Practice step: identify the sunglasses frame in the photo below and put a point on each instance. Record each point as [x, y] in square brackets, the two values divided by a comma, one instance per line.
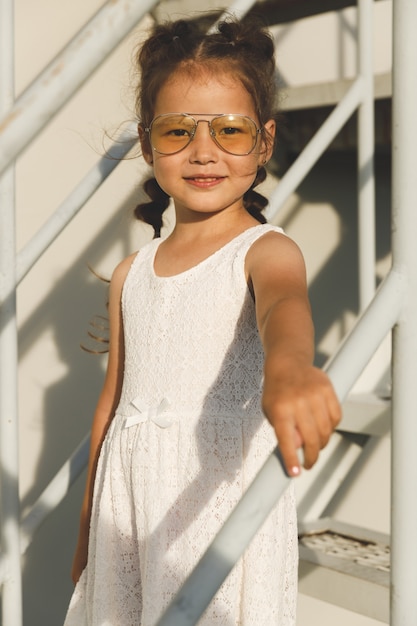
[214, 116]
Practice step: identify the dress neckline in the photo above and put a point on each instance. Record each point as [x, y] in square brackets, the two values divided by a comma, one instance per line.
[214, 254]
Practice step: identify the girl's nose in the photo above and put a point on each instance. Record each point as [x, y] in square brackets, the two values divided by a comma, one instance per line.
[202, 147]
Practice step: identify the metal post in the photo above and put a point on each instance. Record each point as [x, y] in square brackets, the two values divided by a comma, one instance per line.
[366, 143]
[404, 399]
[351, 357]
[10, 506]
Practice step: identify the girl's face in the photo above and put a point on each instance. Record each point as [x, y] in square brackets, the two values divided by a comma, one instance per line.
[202, 178]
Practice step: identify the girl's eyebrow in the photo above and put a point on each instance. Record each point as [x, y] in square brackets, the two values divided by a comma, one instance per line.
[191, 114]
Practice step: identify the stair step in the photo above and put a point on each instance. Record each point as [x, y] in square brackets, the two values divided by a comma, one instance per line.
[347, 566]
[329, 93]
[284, 11]
[367, 414]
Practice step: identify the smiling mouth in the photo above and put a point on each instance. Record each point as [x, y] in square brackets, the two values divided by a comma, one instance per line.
[204, 179]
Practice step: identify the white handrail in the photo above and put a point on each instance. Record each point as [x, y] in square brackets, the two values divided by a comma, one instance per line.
[35, 108]
[69, 208]
[49, 499]
[54, 493]
[236, 533]
[315, 147]
[9, 443]
[238, 8]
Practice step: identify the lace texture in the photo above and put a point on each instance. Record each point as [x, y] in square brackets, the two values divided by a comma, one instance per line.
[187, 439]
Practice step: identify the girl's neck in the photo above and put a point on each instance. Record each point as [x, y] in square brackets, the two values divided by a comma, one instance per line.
[216, 226]
[190, 244]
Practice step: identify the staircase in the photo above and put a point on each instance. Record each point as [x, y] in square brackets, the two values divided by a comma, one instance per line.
[341, 562]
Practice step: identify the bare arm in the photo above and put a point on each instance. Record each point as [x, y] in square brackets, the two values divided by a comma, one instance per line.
[106, 406]
[298, 398]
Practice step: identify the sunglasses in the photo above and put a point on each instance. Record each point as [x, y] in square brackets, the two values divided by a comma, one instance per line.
[172, 132]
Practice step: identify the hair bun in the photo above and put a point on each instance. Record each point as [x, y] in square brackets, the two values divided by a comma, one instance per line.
[248, 36]
[181, 29]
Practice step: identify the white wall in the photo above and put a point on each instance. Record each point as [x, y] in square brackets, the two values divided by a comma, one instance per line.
[322, 48]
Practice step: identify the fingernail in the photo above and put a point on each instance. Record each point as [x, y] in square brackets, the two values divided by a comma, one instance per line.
[294, 471]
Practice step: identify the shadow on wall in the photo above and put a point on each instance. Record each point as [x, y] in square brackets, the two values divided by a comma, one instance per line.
[68, 409]
[70, 402]
[334, 290]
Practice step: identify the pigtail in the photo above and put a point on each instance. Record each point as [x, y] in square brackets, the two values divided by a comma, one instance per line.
[253, 201]
[151, 212]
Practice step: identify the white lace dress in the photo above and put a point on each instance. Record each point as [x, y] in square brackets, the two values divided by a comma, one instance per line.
[187, 439]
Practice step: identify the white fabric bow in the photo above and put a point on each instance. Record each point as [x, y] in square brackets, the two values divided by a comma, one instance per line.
[147, 413]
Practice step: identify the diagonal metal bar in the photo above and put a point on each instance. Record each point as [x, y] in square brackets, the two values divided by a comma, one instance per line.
[239, 8]
[66, 74]
[221, 556]
[39, 243]
[11, 603]
[54, 493]
[316, 147]
[50, 498]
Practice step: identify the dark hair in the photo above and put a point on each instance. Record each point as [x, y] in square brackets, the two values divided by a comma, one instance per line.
[246, 50]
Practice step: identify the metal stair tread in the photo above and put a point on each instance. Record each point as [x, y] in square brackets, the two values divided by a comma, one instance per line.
[329, 93]
[352, 550]
[346, 566]
[367, 414]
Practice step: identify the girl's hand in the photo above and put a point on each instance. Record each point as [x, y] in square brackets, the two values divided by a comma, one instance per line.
[300, 403]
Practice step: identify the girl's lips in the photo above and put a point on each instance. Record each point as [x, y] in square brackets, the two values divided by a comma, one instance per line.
[204, 181]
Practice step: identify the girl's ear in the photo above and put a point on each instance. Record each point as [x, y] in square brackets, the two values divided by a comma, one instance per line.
[145, 145]
[268, 140]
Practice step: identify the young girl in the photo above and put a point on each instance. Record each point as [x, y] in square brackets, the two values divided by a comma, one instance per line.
[211, 349]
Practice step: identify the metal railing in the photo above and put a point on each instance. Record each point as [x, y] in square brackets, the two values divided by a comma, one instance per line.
[394, 305]
[20, 122]
[9, 454]
[360, 97]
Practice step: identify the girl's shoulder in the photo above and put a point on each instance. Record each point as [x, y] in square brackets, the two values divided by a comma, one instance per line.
[247, 238]
[276, 251]
[263, 236]
[273, 241]
[119, 276]
[123, 268]
[121, 271]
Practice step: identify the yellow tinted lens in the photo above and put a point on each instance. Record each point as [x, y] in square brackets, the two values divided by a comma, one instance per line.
[171, 133]
[235, 133]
